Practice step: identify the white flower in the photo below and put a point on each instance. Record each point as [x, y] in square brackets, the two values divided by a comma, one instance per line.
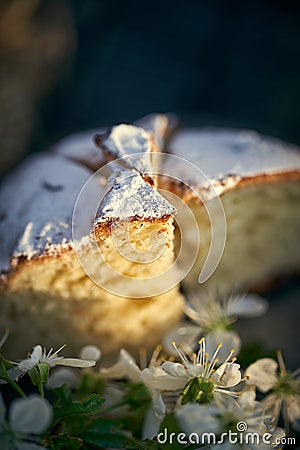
[71, 376]
[196, 377]
[63, 375]
[284, 389]
[40, 355]
[27, 419]
[228, 415]
[90, 352]
[127, 368]
[213, 309]
[213, 317]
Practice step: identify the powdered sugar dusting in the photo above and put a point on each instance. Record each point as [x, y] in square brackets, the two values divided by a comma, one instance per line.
[160, 125]
[127, 140]
[224, 152]
[131, 197]
[80, 147]
[38, 199]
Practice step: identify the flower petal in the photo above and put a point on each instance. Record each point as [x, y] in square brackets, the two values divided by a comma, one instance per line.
[198, 419]
[158, 404]
[37, 353]
[91, 352]
[271, 405]
[15, 373]
[227, 375]
[126, 367]
[293, 408]
[247, 398]
[250, 305]
[62, 375]
[153, 418]
[230, 340]
[156, 378]
[30, 415]
[151, 425]
[113, 395]
[277, 435]
[75, 362]
[262, 373]
[185, 335]
[174, 369]
[27, 364]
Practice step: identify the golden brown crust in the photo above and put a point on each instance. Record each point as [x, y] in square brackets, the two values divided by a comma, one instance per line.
[17, 262]
[105, 229]
[189, 194]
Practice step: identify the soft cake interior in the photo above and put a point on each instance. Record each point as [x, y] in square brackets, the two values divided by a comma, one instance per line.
[263, 235]
[51, 299]
[46, 296]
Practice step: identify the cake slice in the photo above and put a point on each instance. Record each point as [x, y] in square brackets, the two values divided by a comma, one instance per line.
[132, 235]
[46, 295]
[132, 147]
[256, 178]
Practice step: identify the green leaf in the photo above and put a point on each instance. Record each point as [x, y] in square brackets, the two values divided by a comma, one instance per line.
[44, 370]
[107, 440]
[170, 423]
[75, 427]
[89, 406]
[104, 425]
[64, 394]
[107, 433]
[137, 395]
[3, 371]
[5, 363]
[198, 390]
[138, 399]
[147, 445]
[35, 376]
[64, 442]
[90, 383]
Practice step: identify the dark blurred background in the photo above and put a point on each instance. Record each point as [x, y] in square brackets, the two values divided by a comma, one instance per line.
[69, 65]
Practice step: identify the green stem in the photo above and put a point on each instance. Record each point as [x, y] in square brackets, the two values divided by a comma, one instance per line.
[285, 419]
[15, 386]
[41, 390]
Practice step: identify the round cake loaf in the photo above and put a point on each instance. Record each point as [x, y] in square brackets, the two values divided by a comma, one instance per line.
[257, 180]
[88, 249]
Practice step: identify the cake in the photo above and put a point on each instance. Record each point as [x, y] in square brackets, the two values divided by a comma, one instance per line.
[257, 180]
[47, 296]
[88, 250]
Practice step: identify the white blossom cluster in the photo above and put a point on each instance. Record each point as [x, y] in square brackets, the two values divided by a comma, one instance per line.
[198, 381]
